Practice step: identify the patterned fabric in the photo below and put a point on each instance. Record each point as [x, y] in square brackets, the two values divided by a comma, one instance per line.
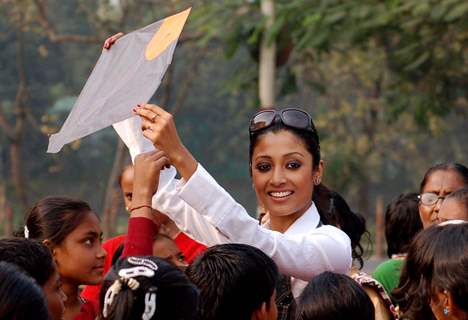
[366, 280]
[284, 299]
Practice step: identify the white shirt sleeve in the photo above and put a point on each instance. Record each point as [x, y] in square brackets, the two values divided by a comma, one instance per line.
[301, 256]
[167, 201]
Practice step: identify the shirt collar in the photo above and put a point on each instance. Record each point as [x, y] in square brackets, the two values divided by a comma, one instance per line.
[308, 221]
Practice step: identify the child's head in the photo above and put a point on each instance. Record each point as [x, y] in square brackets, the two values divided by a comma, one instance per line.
[126, 185]
[236, 281]
[434, 278]
[402, 223]
[36, 260]
[148, 288]
[20, 297]
[455, 206]
[330, 296]
[71, 231]
[166, 248]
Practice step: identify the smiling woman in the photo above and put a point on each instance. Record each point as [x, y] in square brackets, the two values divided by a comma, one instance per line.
[285, 167]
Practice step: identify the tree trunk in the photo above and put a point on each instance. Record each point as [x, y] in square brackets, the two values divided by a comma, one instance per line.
[379, 227]
[267, 62]
[17, 175]
[108, 214]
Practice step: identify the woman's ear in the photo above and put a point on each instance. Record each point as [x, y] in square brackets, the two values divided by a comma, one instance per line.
[49, 245]
[318, 173]
[260, 313]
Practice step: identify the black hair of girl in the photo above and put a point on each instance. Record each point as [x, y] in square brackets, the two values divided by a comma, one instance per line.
[331, 296]
[176, 298]
[337, 212]
[437, 260]
[402, 223]
[20, 296]
[460, 169]
[30, 255]
[53, 218]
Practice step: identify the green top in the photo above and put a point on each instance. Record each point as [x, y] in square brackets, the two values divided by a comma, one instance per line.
[388, 274]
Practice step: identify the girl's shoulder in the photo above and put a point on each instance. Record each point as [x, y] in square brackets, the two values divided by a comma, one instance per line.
[89, 310]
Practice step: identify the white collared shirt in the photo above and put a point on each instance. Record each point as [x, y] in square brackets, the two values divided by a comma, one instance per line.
[204, 210]
[309, 220]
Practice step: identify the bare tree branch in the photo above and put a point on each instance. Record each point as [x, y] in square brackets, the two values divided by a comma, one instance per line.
[185, 86]
[52, 33]
[7, 129]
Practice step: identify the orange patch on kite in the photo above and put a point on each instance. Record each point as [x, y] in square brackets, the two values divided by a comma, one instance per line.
[168, 32]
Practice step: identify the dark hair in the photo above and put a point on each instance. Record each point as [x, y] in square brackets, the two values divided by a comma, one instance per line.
[460, 195]
[460, 169]
[53, 218]
[20, 296]
[437, 260]
[118, 253]
[234, 280]
[402, 223]
[331, 296]
[309, 138]
[336, 211]
[30, 255]
[175, 297]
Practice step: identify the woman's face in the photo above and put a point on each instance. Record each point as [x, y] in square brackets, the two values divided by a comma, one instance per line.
[282, 173]
[442, 183]
[80, 256]
[55, 297]
[452, 209]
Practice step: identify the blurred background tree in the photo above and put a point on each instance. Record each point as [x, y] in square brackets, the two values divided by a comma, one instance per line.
[386, 82]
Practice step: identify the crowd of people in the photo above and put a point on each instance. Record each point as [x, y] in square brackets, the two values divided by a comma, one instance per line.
[193, 252]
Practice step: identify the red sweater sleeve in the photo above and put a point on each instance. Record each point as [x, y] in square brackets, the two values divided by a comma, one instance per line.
[189, 247]
[140, 237]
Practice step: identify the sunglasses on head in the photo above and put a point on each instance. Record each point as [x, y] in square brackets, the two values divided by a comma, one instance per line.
[291, 117]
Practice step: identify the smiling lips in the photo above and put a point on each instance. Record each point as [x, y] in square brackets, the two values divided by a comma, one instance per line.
[280, 194]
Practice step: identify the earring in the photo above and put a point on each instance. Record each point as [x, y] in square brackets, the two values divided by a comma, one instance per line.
[446, 311]
[317, 180]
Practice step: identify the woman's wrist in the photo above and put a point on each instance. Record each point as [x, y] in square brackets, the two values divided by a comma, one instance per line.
[185, 163]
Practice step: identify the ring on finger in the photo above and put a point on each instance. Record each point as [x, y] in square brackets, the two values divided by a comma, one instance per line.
[154, 117]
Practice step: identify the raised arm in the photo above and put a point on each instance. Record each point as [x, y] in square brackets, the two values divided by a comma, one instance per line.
[301, 256]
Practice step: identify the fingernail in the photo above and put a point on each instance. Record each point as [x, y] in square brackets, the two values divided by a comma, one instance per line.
[134, 110]
[139, 105]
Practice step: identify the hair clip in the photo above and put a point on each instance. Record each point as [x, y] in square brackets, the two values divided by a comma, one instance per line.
[136, 272]
[132, 283]
[26, 232]
[143, 262]
[113, 290]
[150, 306]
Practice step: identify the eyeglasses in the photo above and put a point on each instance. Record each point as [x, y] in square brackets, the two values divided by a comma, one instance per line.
[429, 198]
[291, 117]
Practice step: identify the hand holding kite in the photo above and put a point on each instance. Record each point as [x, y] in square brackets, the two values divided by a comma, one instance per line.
[127, 75]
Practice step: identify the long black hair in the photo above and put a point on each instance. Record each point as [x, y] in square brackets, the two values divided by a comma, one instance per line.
[437, 260]
[53, 218]
[20, 296]
[174, 296]
[331, 296]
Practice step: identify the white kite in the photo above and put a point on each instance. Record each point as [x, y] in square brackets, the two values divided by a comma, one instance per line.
[127, 75]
